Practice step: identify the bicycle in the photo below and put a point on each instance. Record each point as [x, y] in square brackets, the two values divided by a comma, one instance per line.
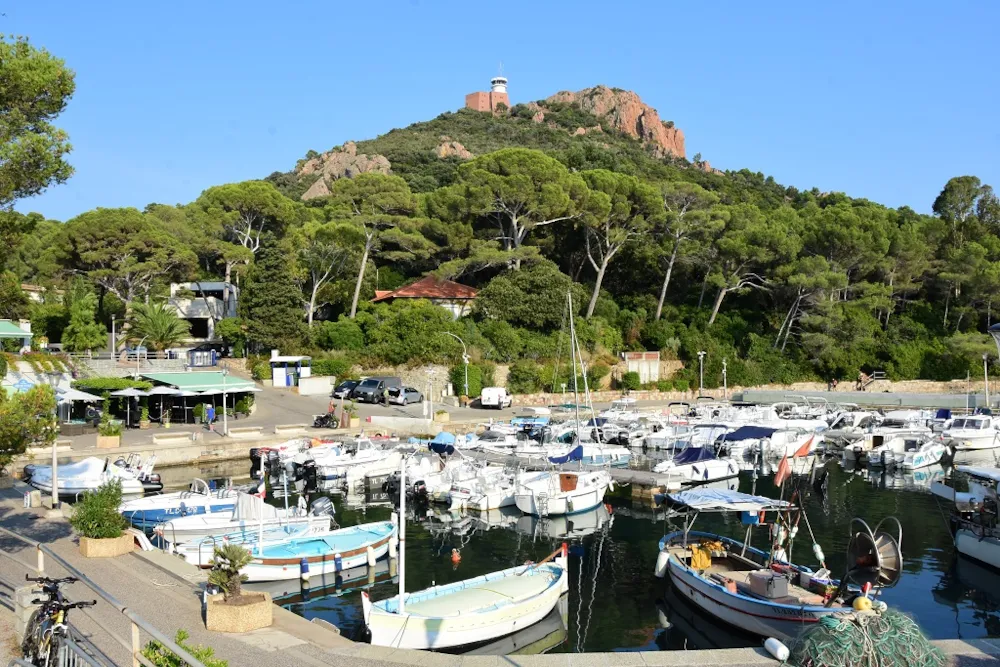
[49, 623]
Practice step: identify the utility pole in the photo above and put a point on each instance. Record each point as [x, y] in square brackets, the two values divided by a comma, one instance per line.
[701, 372]
[725, 384]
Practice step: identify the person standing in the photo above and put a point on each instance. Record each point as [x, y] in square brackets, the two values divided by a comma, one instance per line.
[210, 415]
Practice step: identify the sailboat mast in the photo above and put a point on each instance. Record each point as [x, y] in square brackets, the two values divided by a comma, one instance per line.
[572, 346]
[402, 531]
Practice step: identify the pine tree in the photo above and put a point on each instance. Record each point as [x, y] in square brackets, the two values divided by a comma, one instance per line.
[271, 302]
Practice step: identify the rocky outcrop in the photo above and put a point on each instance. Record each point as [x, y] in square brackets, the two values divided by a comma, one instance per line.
[341, 162]
[628, 114]
[449, 148]
[580, 131]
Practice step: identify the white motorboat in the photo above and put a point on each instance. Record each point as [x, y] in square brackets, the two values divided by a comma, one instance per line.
[696, 465]
[437, 486]
[498, 442]
[665, 436]
[471, 611]
[551, 492]
[491, 488]
[247, 517]
[80, 477]
[146, 512]
[333, 460]
[915, 454]
[974, 515]
[587, 453]
[972, 433]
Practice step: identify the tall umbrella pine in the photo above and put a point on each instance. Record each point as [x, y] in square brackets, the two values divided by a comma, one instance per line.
[271, 301]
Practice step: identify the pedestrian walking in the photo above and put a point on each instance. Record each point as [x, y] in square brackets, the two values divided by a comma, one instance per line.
[210, 415]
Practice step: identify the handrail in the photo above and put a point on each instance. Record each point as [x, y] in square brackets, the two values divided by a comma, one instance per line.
[137, 621]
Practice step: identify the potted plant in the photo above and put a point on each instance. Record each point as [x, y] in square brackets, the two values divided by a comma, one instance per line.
[144, 418]
[442, 416]
[165, 419]
[234, 610]
[109, 432]
[199, 413]
[100, 524]
[351, 419]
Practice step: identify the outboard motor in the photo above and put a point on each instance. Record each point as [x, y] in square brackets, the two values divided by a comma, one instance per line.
[273, 464]
[151, 483]
[310, 475]
[322, 506]
[255, 466]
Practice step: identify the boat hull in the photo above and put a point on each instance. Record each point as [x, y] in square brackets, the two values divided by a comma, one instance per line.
[986, 550]
[413, 631]
[290, 567]
[972, 443]
[565, 503]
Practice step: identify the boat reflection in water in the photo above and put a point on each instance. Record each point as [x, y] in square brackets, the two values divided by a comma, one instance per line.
[319, 586]
[565, 526]
[686, 627]
[972, 590]
[919, 480]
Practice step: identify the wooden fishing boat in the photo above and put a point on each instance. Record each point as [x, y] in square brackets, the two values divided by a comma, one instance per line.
[475, 610]
[755, 590]
[326, 553]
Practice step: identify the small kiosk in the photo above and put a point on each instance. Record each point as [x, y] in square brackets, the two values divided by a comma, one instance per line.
[286, 370]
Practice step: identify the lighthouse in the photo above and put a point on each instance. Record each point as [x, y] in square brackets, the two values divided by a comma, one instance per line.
[489, 101]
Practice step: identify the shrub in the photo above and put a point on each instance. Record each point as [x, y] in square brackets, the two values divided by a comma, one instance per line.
[488, 371]
[199, 411]
[344, 334]
[630, 381]
[522, 378]
[227, 562]
[97, 515]
[160, 656]
[457, 377]
[596, 373]
[504, 338]
[681, 384]
[144, 414]
[260, 370]
[108, 427]
[338, 367]
[244, 404]
[101, 385]
[664, 385]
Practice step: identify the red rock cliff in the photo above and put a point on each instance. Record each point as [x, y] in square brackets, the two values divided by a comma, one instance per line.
[628, 114]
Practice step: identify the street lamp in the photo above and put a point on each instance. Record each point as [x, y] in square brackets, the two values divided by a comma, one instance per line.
[114, 337]
[465, 360]
[701, 372]
[225, 413]
[725, 384]
[137, 356]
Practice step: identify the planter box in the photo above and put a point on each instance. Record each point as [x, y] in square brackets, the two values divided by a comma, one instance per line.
[351, 422]
[442, 418]
[107, 548]
[144, 425]
[222, 617]
[109, 441]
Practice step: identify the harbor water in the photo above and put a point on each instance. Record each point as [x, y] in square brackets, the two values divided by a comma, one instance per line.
[616, 604]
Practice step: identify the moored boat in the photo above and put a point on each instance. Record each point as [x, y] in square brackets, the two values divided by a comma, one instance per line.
[553, 492]
[87, 475]
[200, 499]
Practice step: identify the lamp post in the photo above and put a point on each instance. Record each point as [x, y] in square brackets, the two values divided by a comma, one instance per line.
[995, 332]
[137, 356]
[701, 372]
[114, 338]
[725, 384]
[225, 414]
[465, 360]
[986, 377]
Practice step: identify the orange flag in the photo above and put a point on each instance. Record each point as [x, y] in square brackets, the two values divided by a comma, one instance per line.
[804, 449]
[784, 472]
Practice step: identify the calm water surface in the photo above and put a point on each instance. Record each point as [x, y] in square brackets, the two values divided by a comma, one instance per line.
[616, 604]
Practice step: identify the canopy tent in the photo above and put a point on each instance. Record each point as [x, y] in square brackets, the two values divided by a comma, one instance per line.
[162, 391]
[747, 433]
[443, 443]
[721, 500]
[10, 330]
[72, 395]
[131, 392]
[202, 380]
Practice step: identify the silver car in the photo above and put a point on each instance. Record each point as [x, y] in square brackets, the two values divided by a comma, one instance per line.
[405, 396]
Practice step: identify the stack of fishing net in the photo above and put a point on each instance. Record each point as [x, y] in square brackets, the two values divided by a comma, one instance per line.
[865, 639]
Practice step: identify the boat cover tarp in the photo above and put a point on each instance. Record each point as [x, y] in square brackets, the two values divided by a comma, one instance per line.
[596, 421]
[529, 421]
[747, 433]
[575, 454]
[443, 443]
[943, 413]
[723, 499]
[253, 508]
[693, 455]
[984, 473]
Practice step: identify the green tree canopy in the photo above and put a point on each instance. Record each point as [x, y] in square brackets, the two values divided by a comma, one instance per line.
[270, 302]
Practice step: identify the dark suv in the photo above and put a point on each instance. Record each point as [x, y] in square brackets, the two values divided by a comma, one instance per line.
[370, 389]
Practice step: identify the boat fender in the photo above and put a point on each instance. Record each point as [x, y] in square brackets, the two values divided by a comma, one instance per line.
[661, 564]
[338, 562]
[370, 553]
[304, 569]
[393, 546]
[818, 552]
[456, 556]
[776, 648]
[792, 532]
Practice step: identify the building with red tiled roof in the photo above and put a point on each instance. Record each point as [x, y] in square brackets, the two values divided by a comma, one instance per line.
[446, 293]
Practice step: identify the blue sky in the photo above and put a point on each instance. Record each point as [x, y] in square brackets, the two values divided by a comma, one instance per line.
[883, 100]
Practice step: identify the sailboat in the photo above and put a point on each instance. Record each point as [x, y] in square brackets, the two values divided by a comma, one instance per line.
[475, 610]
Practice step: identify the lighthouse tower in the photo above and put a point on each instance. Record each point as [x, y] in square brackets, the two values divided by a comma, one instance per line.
[489, 101]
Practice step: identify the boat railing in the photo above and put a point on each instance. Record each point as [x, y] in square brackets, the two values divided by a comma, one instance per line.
[78, 648]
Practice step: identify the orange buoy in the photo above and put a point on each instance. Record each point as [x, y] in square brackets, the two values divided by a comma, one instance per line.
[456, 556]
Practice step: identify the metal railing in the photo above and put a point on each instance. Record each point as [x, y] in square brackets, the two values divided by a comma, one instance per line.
[137, 623]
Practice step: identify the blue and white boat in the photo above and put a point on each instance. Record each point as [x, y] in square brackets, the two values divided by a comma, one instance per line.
[201, 551]
[697, 465]
[145, 513]
[755, 590]
[326, 553]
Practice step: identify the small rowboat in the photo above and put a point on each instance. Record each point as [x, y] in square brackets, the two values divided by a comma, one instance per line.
[475, 610]
[326, 553]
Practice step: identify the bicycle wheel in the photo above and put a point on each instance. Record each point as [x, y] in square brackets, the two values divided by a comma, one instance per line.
[33, 633]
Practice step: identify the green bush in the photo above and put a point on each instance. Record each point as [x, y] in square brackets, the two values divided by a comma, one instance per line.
[260, 370]
[523, 378]
[488, 370]
[681, 384]
[160, 656]
[108, 427]
[96, 515]
[101, 385]
[344, 334]
[505, 339]
[199, 411]
[227, 561]
[630, 381]
[597, 372]
[337, 367]
[457, 378]
[243, 405]
[664, 385]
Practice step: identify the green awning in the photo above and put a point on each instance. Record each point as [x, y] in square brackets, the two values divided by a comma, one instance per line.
[201, 381]
[10, 330]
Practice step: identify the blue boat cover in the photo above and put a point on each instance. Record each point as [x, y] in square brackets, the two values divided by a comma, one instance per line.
[443, 443]
[943, 413]
[723, 499]
[575, 454]
[597, 421]
[529, 421]
[747, 433]
[693, 455]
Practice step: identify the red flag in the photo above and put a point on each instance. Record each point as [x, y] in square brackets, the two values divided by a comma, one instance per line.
[804, 449]
[784, 472]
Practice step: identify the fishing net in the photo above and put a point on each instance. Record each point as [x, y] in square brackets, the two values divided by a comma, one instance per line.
[865, 639]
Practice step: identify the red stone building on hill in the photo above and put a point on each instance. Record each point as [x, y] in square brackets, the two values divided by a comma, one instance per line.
[445, 293]
[489, 101]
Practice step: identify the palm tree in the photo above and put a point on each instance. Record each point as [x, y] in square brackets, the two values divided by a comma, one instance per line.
[159, 325]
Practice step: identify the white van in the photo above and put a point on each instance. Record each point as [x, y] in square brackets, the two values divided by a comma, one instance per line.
[495, 397]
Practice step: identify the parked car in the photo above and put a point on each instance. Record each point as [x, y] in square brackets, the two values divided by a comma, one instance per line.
[344, 389]
[495, 397]
[369, 390]
[405, 396]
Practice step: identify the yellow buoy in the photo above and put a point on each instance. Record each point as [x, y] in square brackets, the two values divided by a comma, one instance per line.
[862, 603]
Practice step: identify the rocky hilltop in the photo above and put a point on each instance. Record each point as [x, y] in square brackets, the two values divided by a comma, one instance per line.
[628, 114]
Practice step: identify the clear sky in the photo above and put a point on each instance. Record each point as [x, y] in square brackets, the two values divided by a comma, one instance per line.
[884, 100]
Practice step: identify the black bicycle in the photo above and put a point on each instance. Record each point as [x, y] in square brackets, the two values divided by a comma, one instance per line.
[48, 626]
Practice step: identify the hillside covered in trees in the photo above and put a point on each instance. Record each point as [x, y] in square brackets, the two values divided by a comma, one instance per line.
[660, 253]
